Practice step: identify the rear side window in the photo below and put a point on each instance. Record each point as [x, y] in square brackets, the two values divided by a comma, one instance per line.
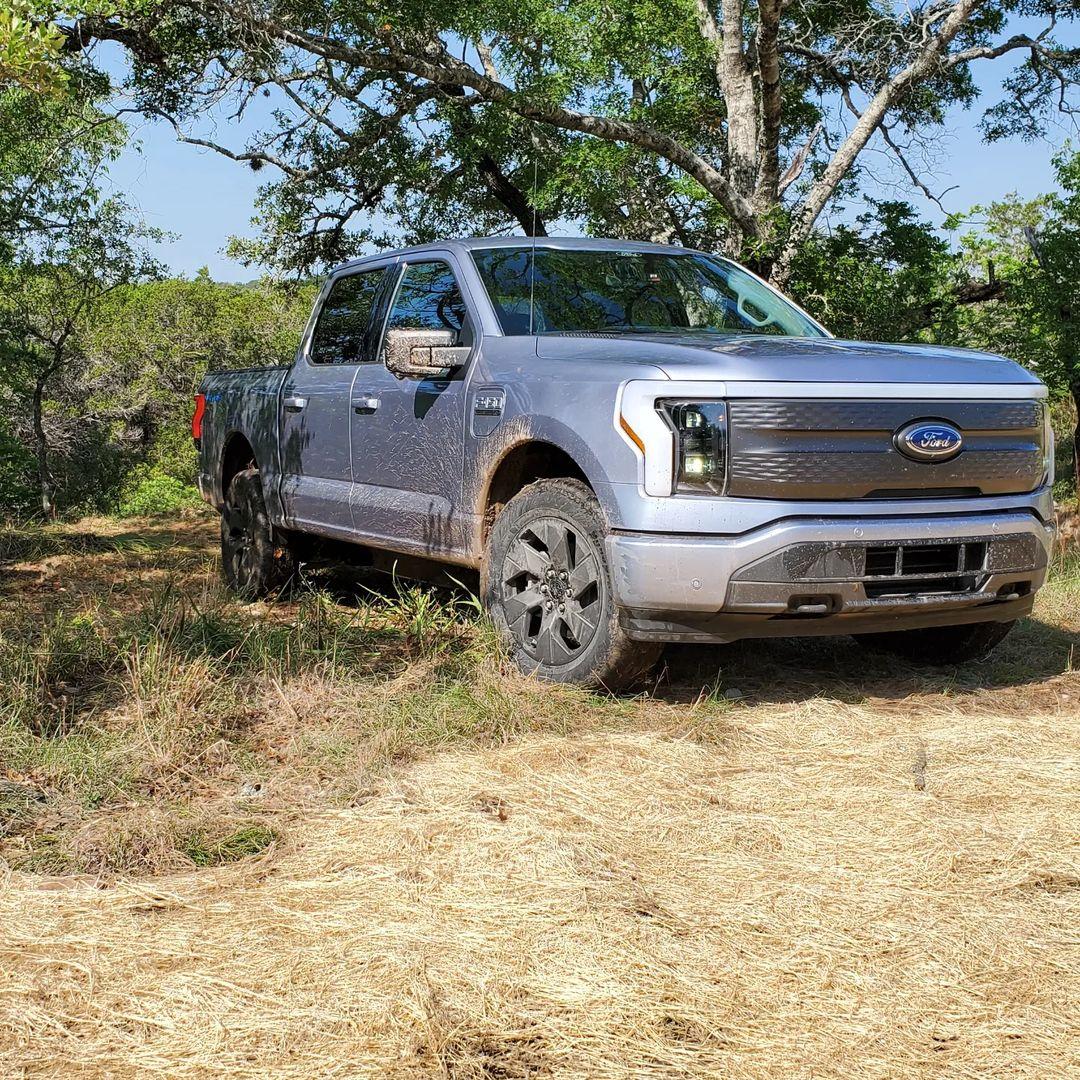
[428, 298]
[341, 332]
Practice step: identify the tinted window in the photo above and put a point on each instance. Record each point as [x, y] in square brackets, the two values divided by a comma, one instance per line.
[343, 322]
[631, 291]
[428, 298]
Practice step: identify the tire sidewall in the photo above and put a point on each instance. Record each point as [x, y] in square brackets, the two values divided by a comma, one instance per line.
[271, 566]
[604, 661]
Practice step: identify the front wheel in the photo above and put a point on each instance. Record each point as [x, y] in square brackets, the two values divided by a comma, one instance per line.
[547, 586]
[940, 645]
[253, 564]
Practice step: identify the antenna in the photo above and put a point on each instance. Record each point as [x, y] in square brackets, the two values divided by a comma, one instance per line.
[532, 257]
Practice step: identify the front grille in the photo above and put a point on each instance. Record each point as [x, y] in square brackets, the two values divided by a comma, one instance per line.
[844, 449]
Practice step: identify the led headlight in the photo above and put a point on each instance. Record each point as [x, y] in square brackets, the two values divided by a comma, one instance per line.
[1048, 444]
[700, 429]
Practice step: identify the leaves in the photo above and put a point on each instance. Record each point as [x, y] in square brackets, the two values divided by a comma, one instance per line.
[30, 47]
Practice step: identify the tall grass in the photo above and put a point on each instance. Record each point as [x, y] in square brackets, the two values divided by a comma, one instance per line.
[129, 726]
[187, 728]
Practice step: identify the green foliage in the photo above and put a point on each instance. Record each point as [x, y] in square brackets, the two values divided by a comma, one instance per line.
[874, 279]
[1035, 247]
[30, 48]
[150, 491]
[64, 246]
[648, 119]
[119, 413]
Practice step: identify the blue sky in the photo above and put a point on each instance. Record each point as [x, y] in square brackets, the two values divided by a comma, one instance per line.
[206, 198]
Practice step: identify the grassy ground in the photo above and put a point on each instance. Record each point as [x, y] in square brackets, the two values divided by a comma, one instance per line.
[335, 836]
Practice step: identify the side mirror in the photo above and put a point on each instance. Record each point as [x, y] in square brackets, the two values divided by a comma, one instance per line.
[423, 354]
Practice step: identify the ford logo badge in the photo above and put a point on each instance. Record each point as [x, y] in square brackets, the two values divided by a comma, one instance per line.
[929, 440]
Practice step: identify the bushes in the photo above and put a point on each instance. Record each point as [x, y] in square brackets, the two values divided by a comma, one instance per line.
[151, 491]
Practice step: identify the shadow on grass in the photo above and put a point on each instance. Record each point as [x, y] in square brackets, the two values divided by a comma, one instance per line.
[32, 542]
[779, 669]
[796, 669]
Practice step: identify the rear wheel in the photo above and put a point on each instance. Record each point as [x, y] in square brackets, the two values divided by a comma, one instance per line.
[940, 645]
[253, 563]
[547, 586]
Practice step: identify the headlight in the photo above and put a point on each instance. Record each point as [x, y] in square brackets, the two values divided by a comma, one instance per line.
[700, 429]
[1048, 444]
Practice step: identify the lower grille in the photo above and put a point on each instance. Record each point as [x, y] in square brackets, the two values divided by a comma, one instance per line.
[845, 449]
[826, 578]
[899, 560]
[935, 586]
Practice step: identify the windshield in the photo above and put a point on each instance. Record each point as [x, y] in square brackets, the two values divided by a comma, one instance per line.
[620, 292]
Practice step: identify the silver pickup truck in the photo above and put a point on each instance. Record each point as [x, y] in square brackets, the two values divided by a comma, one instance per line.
[636, 444]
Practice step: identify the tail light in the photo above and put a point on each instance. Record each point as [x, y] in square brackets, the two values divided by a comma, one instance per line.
[197, 417]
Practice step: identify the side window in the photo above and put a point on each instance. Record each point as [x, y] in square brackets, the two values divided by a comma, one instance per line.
[428, 298]
[342, 328]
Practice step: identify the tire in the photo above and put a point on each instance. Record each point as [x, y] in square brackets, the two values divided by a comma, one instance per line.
[547, 587]
[940, 645]
[253, 564]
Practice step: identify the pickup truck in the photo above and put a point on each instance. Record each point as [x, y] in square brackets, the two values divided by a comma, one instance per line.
[636, 444]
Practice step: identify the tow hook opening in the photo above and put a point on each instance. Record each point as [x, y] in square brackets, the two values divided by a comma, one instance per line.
[816, 604]
[1014, 590]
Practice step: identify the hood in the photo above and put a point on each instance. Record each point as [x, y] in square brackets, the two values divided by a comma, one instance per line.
[759, 358]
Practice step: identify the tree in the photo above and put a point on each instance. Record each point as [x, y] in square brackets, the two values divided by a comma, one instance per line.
[1034, 247]
[727, 123]
[149, 346]
[46, 303]
[63, 247]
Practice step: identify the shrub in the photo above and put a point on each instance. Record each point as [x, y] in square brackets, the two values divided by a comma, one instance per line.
[151, 491]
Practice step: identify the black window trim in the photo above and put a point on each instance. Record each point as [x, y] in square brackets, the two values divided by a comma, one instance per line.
[383, 268]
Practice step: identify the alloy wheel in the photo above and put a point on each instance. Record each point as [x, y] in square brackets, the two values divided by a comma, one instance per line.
[552, 586]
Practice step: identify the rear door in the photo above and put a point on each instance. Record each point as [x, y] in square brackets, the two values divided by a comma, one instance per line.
[409, 434]
[316, 460]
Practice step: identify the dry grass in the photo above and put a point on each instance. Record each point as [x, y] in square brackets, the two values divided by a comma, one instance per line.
[376, 856]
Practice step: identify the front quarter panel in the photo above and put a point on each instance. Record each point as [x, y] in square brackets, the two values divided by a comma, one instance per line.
[567, 402]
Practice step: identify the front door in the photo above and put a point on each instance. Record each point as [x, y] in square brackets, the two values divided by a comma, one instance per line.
[408, 434]
[316, 460]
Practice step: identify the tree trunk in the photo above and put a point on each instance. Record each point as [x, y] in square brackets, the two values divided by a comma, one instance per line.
[1075, 388]
[41, 446]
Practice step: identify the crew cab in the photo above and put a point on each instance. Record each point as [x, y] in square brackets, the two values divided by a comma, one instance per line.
[636, 444]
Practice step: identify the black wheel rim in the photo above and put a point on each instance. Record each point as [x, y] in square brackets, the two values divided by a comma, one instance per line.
[552, 591]
[239, 535]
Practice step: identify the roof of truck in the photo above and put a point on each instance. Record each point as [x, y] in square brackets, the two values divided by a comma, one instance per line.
[474, 243]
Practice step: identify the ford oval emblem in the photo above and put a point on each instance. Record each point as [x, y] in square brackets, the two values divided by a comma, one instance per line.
[929, 440]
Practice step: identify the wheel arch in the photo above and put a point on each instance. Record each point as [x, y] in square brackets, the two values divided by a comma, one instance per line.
[237, 454]
[523, 463]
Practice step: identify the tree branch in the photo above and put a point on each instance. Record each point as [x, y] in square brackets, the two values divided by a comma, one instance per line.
[438, 67]
[925, 62]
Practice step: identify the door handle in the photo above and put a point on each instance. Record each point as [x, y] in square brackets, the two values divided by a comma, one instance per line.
[294, 404]
[365, 404]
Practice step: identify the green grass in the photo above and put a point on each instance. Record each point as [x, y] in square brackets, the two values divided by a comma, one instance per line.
[134, 725]
[205, 850]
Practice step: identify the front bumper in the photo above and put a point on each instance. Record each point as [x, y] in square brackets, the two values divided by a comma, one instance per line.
[830, 576]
